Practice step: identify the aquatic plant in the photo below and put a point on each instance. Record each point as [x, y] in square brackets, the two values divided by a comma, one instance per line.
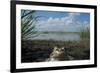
[28, 24]
[84, 33]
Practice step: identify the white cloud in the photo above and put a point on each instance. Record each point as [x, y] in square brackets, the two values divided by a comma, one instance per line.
[66, 23]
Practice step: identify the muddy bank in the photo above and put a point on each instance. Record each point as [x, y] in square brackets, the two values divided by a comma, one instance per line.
[39, 50]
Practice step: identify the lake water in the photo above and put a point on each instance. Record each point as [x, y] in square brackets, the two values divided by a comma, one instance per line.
[58, 37]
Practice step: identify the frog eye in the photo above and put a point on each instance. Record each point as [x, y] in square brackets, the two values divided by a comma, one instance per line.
[55, 48]
[62, 49]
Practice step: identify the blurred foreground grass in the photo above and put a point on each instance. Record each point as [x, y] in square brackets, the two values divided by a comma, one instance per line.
[39, 50]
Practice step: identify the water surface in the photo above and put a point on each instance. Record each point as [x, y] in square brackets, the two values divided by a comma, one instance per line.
[58, 36]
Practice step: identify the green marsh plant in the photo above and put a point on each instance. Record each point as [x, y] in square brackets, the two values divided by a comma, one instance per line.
[28, 24]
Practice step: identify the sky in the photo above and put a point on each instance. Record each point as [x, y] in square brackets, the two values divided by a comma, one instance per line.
[62, 21]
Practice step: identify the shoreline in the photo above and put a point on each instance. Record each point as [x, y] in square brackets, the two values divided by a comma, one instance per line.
[39, 50]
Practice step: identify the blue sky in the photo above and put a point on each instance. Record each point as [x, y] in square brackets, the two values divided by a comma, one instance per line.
[62, 21]
[55, 14]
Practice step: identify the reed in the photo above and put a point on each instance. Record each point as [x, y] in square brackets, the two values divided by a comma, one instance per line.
[28, 24]
[84, 33]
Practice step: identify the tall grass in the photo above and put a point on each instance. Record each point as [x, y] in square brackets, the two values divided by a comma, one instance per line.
[85, 33]
[28, 24]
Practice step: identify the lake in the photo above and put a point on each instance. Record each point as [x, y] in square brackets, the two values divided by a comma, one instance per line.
[58, 36]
